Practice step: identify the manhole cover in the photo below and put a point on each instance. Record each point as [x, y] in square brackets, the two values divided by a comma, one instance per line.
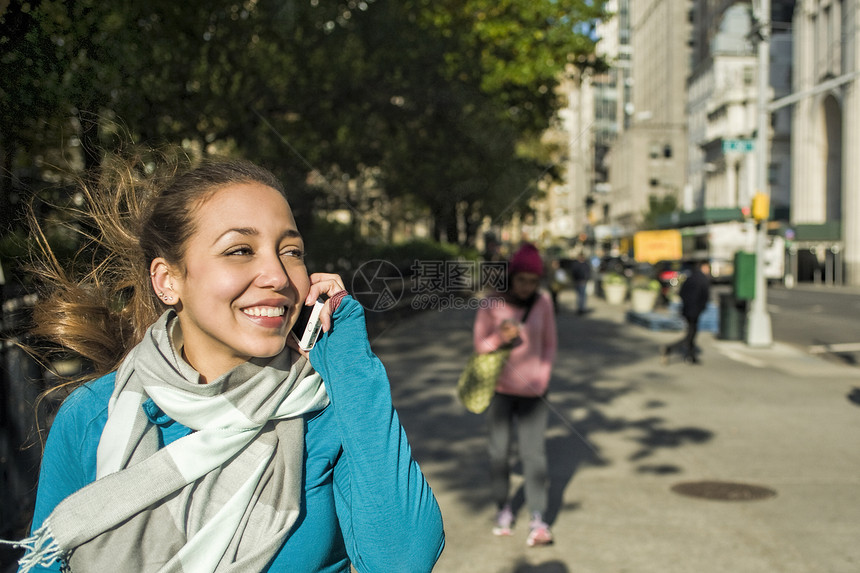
[723, 490]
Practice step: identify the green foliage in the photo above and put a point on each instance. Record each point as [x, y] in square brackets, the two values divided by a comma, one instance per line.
[334, 247]
[444, 102]
[404, 255]
[658, 206]
[644, 283]
[613, 278]
[525, 44]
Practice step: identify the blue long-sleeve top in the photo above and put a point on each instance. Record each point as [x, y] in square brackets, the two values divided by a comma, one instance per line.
[365, 500]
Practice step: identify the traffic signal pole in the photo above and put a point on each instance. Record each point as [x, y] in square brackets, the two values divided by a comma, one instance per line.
[759, 329]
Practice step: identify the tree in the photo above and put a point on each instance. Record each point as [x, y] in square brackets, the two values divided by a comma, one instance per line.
[658, 206]
[441, 101]
[476, 90]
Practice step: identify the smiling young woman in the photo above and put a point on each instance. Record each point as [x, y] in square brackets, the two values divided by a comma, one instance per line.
[242, 280]
[205, 440]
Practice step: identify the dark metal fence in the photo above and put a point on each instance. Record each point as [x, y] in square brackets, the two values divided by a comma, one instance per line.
[21, 381]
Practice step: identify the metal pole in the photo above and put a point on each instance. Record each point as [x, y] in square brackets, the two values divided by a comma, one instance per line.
[759, 330]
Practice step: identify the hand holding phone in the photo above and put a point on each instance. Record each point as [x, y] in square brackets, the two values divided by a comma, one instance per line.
[308, 326]
[328, 284]
[510, 330]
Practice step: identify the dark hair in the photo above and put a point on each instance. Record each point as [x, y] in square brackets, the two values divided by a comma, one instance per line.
[138, 207]
[170, 222]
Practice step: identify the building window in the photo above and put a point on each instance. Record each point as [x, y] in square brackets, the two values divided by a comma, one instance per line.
[773, 173]
[654, 182]
[667, 151]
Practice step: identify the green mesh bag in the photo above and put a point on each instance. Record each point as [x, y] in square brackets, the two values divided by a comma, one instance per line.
[478, 381]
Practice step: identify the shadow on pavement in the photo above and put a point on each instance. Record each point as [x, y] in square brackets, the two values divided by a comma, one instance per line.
[548, 567]
[425, 354]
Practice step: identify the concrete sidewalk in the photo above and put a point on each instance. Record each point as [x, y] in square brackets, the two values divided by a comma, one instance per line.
[624, 431]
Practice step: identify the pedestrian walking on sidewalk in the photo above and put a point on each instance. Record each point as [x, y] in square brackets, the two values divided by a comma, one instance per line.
[558, 280]
[580, 271]
[206, 439]
[695, 294]
[524, 319]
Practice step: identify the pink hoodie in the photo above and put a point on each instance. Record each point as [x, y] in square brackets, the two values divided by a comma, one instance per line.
[530, 365]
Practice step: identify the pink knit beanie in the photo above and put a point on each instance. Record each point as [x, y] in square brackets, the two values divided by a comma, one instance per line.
[526, 260]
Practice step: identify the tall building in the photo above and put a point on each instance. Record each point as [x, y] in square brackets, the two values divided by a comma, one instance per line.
[649, 156]
[560, 211]
[683, 98]
[612, 96]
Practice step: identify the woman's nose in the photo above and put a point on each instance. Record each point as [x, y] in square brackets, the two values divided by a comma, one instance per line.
[273, 274]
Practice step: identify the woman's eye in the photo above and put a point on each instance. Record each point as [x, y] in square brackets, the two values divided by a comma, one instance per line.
[240, 251]
[293, 253]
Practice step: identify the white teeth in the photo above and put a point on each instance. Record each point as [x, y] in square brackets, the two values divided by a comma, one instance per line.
[264, 311]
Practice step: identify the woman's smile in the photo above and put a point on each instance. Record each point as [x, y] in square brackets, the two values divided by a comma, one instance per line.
[269, 311]
[270, 317]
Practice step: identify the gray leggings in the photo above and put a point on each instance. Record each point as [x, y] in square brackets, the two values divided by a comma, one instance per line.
[531, 416]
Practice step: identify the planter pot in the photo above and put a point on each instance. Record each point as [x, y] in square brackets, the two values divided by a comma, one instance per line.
[642, 300]
[615, 293]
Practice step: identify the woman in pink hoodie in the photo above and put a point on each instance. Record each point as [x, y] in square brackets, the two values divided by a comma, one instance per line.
[523, 318]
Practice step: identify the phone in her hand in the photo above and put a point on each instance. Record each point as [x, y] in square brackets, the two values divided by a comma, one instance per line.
[308, 327]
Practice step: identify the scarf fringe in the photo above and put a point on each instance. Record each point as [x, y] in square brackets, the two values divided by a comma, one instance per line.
[40, 549]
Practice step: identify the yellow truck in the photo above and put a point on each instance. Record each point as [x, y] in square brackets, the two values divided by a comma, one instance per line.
[716, 243]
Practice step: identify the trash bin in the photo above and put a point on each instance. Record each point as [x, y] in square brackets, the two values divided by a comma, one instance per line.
[733, 317]
[744, 276]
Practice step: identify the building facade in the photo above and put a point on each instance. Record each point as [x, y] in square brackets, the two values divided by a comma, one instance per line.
[649, 156]
[676, 115]
[825, 214]
[722, 167]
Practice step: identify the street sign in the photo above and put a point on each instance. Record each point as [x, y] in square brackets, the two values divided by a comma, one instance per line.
[738, 145]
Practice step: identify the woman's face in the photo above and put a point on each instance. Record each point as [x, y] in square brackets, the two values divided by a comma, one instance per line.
[524, 285]
[244, 279]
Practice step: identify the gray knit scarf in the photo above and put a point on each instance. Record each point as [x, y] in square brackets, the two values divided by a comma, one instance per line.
[223, 498]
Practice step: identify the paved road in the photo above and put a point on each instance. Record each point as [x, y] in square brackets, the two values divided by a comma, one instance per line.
[820, 319]
[625, 430]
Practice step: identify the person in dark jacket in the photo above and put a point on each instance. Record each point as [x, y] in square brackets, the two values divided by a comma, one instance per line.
[695, 294]
[580, 271]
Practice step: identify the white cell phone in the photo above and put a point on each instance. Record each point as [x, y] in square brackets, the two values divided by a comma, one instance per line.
[308, 326]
